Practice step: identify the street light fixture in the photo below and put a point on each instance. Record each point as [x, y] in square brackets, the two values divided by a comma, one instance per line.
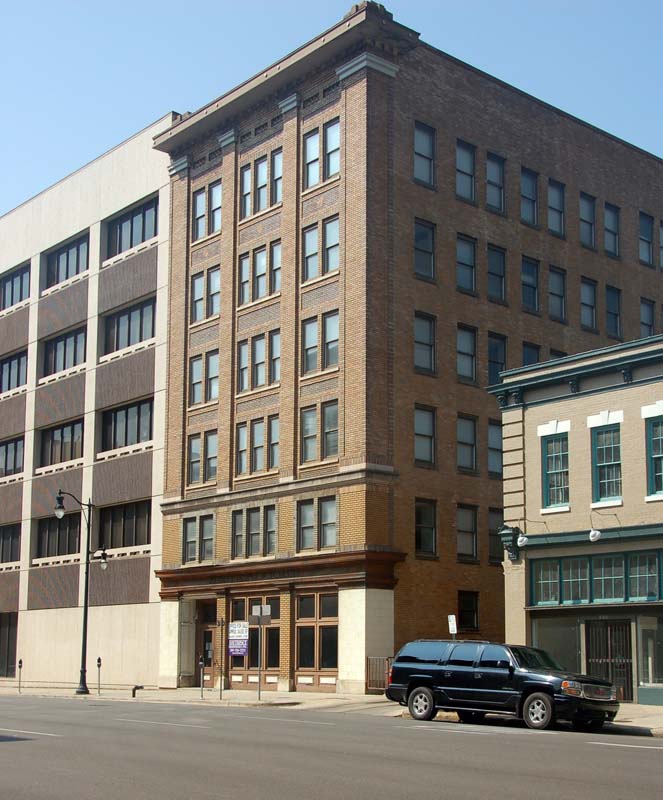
[86, 508]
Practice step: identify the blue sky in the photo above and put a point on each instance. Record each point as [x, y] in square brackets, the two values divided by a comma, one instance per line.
[76, 78]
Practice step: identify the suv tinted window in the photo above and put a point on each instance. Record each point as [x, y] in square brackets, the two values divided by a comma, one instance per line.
[463, 655]
[423, 652]
[494, 656]
[533, 658]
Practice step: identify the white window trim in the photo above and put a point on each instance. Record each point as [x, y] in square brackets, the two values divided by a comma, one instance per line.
[654, 410]
[605, 418]
[553, 427]
[654, 498]
[607, 503]
[555, 510]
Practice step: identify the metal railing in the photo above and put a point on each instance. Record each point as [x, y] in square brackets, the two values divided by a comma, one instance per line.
[377, 673]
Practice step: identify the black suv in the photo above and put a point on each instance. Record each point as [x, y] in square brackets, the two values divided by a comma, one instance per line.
[475, 678]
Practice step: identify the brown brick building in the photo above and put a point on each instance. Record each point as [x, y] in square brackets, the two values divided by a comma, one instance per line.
[363, 236]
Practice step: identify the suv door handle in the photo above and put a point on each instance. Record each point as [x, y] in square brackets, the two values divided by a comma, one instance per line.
[478, 675]
[447, 674]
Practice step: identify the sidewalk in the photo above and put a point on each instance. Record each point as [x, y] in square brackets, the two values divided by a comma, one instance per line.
[632, 719]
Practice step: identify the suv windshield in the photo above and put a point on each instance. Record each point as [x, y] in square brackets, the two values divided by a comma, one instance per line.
[533, 658]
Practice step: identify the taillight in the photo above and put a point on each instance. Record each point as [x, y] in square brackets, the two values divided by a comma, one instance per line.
[391, 672]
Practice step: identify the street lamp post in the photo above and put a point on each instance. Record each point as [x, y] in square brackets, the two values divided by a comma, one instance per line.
[86, 508]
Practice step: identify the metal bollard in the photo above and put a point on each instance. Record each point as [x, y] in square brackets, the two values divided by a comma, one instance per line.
[20, 669]
[133, 691]
[99, 675]
[201, 664]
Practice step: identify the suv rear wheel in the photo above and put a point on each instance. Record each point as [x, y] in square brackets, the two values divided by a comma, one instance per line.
[538, 711]
[421, 703]
[471, 716]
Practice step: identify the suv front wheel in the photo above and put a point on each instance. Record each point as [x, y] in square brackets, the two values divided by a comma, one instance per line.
[538, 711]
[421, 703]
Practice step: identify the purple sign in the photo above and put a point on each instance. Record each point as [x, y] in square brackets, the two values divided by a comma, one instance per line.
[238, 647]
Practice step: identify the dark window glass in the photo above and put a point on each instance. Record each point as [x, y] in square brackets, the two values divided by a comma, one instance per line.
[128, 525]
[130, 326]
[466, 353]
[496, 273]
[528, 196]
[531, 354]
[305, 647]
[67, 261]
[468, 611]
[329, 605]
[494, 657]
[62, 443]
[425, 534]
[646, 318]
[133, 228]
[64, 352]
[424, 652]
[494, 448]
[646, 239]
[613, 322]
[10, 542]
[11, 457]
[273, 645]
[530, 284]
[556, 207]
[466, 443]
[424, 342]
[495, 522]
[588, 303]
[557, 294]
[127, 425]
[58, 537]
[463, 655]
[587, 219]
[13, 371]
[496, 357]
[466, 532]
[465, 264]
[8, 635]
[424, 250]
[611, 229]
[465, 170]
[495, 182]
[424, 153]
[306, 606]
[328, 647]
[14, 287]
[424, 435]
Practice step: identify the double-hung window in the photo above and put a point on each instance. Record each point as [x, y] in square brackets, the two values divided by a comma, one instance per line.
[530, 284]
[260, 287]
[556, 207]
[587, 220]
[424, 249]
[588, 303]
[425, 527]
[310, 245]
[496, 357]
[646, 239]
[331, 256]
[424, 153]
[555, 460]
[529, 206]
[260, 191]
[199, 213]
[466, 532]
[332, 145]
[424, 435]
[613, 301]
[311, 159]
[466, 443]
[465, 172]
[424, 342]
[611, 229]
[495, 447]
[330, 340]
[606, 463]
[646, 317]
[277, 176]
[495, 182]
[655, 455]
[466, 264]
[496, 273]
[466, 349]
[531, 353]
[557, 294]
[215, 201]
[245, 191]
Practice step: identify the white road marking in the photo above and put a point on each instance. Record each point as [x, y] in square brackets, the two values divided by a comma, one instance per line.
[150, 722]
[284, 719]
[32, 733]
[447, 730]
[637, 746]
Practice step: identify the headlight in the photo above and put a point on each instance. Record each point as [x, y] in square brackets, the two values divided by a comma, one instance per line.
[572, 687]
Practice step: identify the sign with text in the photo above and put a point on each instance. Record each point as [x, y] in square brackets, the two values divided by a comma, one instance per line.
[238, 647]
[238, 638]
[452, 624]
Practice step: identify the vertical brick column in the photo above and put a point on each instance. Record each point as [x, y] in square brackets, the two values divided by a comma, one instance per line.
[287, 642]
[220, 650]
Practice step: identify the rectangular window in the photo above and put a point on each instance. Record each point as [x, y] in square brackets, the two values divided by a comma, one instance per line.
[127, 525]
[14, 287]
[575, 580]
[67, 261]
[277, 176]
[195, 380]
[128, 425]
[646, 317]
[608, 579]
[310, 241]
[495, 522]
[215, 206]
[613, 300]
[494, 448]
[274, 356]
[133, 228]
[330, 340]
[330, 429]
[212, 376]
[327, 512]
[332, 144]
[238, 541]
[468, 610]
[466, 353]
[64, 352]
[197, 299]
[557, 294]
[531, 354]
[587, 219]
[189, 540]
[199, 213]
[10, 541]
[131, 325]
[530, 284]
[309, 434]
[242, 462]
[466, 443]
[213, 291]
[258, 361]
[309, 346]
[655, 456]
[496, 273]
[495, 182]
[58, 537]
[244, 280]
[305, 525]
[242, 366]
[206, 538]
[260, 191]
[424, 435]
[555, 483]
[496, 357]
[611, 229]
[331, 247]
[424, 249]
[424, 153]
[646, 240]
[588, 303]
[311, 159]
[556, 207]
[211, 455]
[465, 264]
[606, 463]
[11, 457]
[529, 206]
[13, 371]
[424, 342]
[270, 537]
[545, 581]
[259, 273]
[245, 191]
[425, 527]
[257, 445]
[62, 443]
[465, 171]
[466, 532]
[275, 267]
[273, 442]
[643, 576]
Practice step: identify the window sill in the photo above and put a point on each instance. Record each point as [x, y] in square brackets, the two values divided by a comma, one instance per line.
[57, 287]
[109, 262]
[314, 464]
[58, 376]
[9, 566]
[320, 187]
[425, 278]
[467, 381]
[496, 476]
[615, 337]
[194, 487]
[498, 301]
[472, 473]
[559, 320]
[251, 393]
[424, 184]
[494, 562]
[203, 323]
[425, 464]
[589, 330]
[590, 247]
[648, 264]
[468, 201]
[613, 256]
[654, 498]
[555, 510]
[199, 243]
[265, 212]
[13, 478]
[131, 550]
[127, 351]
[141, 447]
[61, 467]
[467, 560]
[426, 556]
[533, 311]
[533, 225]
[557, 235]
[260, 302]
[425, 371]
[13, 392]
[16, 307]
[314, 377]
[266, 473]
[469, 292]
[53, 561]
[313, 283]
[615, 503]
[500, 212]
[202, 406]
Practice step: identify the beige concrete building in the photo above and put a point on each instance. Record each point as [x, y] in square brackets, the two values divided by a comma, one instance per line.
[83, 332]
[583, 502]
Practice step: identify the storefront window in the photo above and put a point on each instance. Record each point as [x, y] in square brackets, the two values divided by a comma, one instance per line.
[575, 580]
[559, 636]
[643, 576]
[608, 578]
[546, 582]
[650, 652]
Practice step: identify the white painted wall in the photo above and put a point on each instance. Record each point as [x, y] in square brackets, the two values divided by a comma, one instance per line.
[169, 644]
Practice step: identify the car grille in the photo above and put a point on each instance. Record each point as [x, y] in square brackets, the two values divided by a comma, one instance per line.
[593, 692]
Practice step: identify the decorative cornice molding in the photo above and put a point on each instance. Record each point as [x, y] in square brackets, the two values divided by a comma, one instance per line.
[178, 165]
[289, 103]
[364, 61]
[227, 138]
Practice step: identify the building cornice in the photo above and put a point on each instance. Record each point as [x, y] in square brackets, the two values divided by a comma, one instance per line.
[570, 538]
[367, 61]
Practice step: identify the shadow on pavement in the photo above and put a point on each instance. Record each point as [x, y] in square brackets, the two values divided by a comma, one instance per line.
[610, 728]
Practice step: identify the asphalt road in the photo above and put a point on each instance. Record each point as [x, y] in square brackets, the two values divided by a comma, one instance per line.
[84, 749]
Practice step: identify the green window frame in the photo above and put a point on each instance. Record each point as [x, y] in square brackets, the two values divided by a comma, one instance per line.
[643, 576]
[545, 589]
[609, 578]
[555, 470]
[606, 463]
[575, 575]
[655, 456]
